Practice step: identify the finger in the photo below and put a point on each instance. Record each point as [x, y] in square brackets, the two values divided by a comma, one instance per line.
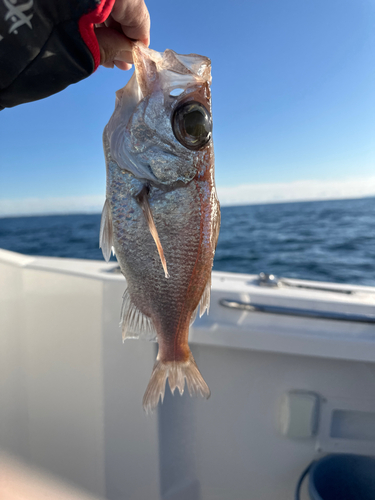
[114, 48]
[111, 23]
[122, 65]
[134, 19]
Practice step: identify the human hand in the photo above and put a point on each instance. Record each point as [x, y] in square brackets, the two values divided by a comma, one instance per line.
[129, 20]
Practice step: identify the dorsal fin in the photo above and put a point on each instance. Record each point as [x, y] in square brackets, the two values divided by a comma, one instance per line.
[204, 303]
[216, 216]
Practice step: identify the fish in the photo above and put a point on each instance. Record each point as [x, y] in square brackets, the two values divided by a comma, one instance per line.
[161, 216]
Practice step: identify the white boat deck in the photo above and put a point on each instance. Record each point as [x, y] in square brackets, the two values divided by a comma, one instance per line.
[71, 392]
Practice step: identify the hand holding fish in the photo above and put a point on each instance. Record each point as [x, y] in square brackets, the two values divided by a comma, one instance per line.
[129, 20]
[62, 42]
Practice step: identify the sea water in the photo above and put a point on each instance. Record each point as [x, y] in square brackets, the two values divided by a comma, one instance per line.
[323, 240]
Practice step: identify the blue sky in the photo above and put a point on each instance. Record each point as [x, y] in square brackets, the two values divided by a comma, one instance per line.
[293, 107]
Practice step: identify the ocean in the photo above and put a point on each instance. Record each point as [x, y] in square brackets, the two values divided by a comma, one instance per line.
[321, 240]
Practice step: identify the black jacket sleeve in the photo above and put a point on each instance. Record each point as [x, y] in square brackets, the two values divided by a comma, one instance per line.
[46, 45]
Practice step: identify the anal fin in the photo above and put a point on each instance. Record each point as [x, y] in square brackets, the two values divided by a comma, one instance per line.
[106, 232]
[135, 324]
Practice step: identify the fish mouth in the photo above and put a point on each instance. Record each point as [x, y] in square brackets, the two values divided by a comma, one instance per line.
[155, 70]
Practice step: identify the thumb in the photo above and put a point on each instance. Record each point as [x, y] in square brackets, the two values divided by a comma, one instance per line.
[115, 48]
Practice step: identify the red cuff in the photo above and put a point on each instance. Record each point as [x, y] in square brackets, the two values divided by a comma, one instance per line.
[86, 27]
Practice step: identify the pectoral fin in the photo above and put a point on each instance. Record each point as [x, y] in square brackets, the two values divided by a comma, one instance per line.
[142, 199]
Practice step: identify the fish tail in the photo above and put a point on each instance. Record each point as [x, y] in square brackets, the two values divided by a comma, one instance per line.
[176, 372]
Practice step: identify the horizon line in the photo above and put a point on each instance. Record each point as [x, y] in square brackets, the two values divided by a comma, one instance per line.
[97, 211]
[297, 191]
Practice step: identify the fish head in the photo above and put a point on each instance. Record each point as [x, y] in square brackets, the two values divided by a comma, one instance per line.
[161, 129]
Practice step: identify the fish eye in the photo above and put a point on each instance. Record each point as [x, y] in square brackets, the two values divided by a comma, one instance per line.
[192, 125]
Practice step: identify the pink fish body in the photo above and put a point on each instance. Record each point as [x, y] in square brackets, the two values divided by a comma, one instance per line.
[162, 216]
